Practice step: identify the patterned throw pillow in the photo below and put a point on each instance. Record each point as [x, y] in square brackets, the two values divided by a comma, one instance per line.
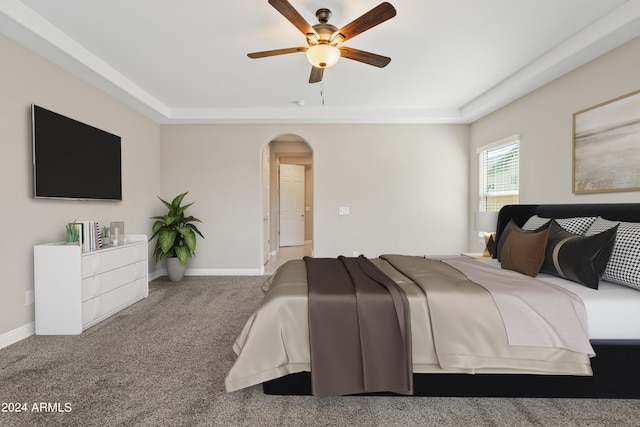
[624, 264]
[577, 225]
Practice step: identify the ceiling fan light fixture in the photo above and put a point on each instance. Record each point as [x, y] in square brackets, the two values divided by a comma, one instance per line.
[323, 38]
[323, 55]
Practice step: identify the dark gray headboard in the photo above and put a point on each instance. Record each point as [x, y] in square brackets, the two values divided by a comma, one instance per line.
[614, 211]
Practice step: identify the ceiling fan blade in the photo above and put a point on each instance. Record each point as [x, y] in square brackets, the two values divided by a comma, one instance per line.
[275, 52]
[375, 16]
[365, 57]
[316, 75]
[288, 11]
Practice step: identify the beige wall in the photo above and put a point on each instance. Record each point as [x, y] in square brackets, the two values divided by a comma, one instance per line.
[544, 121]
[406, 185]
[26, 79]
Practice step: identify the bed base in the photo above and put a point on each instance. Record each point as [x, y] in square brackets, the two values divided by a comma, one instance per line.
[616, 373]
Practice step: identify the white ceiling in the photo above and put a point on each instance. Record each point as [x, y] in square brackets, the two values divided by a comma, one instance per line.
[453, 61]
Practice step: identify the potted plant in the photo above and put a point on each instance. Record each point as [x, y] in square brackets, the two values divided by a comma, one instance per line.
[73, 232]
[176, 235]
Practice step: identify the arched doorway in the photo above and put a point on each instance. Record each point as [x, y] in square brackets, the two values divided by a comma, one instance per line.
[285, 150]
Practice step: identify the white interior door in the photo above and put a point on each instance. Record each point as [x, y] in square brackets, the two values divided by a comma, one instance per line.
[291, 205]
[266, 235]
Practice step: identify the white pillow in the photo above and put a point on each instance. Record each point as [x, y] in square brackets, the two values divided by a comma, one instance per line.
[577, 225]
[624, 264]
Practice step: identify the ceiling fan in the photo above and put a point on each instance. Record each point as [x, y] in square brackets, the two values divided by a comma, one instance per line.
[323, 39]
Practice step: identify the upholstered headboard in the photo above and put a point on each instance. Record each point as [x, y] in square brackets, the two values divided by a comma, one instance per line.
[614, 211]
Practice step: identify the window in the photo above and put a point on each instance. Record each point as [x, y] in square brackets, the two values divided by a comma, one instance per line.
[499, 173]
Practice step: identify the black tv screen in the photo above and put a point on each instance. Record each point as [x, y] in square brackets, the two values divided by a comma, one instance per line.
[72, 160]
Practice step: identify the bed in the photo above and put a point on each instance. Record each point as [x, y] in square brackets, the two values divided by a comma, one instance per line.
[611, 311]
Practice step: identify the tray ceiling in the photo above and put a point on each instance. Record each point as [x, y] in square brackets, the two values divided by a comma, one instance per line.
[185, 62]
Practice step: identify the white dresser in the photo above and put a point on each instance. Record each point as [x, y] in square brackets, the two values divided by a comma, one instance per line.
[74, 290]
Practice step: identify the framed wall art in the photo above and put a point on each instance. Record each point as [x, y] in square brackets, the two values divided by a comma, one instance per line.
[606, 146]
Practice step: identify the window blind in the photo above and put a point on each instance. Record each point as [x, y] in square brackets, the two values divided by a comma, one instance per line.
[499, 174]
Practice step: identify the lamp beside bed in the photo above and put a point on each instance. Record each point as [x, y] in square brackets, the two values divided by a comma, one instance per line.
[486, 223]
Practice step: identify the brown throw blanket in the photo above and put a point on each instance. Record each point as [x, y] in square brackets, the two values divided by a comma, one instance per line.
[359, 329]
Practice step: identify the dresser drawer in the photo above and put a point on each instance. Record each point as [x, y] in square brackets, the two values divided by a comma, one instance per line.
[88, 265]
[142, 287]
[112, 259]
[113, 279]
[88, 311]
[112, 301]
[115, 299]
[88, 288]
[141, 269]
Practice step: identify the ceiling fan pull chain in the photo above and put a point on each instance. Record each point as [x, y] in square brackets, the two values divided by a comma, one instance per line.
[322, 91]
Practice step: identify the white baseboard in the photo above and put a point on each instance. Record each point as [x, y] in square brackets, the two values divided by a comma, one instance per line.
[212, 272]
[224, 271]
[18, 334]
[158, 273]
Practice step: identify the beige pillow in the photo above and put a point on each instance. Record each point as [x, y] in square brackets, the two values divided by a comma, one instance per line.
[524, 251]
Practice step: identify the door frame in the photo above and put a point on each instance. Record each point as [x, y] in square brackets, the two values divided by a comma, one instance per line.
[304, 148]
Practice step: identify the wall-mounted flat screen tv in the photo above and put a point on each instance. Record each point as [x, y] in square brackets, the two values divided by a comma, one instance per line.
[72, 160]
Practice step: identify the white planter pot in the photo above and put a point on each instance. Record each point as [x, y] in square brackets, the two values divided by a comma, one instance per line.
[175, 270]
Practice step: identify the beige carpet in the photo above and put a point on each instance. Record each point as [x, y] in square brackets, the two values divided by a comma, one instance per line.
[162, 362]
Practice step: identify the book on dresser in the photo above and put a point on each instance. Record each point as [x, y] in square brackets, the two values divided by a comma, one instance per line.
[76, 289]
[90, 235]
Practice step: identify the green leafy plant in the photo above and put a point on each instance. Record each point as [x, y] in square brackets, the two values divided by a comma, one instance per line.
[73, 231]
[176, 232]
